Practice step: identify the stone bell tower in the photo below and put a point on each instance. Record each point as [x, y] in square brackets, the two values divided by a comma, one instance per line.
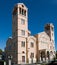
[49, 29]
[20, 32]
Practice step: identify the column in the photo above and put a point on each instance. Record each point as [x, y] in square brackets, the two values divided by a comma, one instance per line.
[4, 63]
[9, 61]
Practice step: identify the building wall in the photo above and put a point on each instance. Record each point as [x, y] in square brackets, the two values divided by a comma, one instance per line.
[44, 44]
[21, 49]
[31, 40]
[43, 41]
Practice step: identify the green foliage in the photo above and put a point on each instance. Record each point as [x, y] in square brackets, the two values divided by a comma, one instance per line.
[1, 51]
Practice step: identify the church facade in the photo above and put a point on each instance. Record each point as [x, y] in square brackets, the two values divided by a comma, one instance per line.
[25, 48]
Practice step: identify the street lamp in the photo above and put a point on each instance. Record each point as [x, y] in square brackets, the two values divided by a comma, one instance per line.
[9, 57]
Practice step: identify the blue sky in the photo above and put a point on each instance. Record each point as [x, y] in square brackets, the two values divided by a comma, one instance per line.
[40, 12]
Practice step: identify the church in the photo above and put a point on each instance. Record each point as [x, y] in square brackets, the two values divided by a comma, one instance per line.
[25, 48]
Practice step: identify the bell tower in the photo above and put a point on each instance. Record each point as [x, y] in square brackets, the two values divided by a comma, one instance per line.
[19, 20]
[20, 31]
[49, 29]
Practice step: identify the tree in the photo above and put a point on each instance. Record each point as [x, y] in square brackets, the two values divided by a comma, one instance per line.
[1, 51]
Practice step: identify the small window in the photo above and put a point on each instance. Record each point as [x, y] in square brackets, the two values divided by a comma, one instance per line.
[23, 52]
[20, 10]
[52, 28]
[23, 43]
[25, 12]
[32, 44]
[32, 55]
[22, 21]
[23, 32]
[22, 5]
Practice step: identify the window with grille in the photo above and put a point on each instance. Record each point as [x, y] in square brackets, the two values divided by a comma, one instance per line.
[22, 21]
[23, 43]
[32, 44]
[23, 32]
[32, 55]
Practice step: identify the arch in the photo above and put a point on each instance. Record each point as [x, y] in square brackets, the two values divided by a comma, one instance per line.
[31, 37]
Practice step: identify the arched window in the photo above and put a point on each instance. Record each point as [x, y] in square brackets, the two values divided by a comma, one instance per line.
[32, 44]
[20, 10]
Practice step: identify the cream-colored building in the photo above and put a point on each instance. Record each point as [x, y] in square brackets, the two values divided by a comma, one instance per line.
[46, 49]
[23, 47]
